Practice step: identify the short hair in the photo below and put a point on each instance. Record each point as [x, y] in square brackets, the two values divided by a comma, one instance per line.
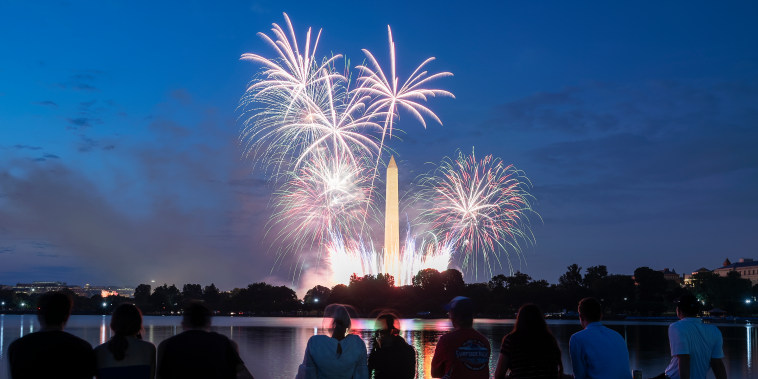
[461, 310]
[590, 309]
[196, 315]
[390, 321]
[688, 304]
[53, 308]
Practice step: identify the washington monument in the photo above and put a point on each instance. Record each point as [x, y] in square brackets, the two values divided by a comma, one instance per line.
[391, 221]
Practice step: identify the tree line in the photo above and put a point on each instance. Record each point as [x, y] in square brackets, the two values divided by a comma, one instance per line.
[646, 293]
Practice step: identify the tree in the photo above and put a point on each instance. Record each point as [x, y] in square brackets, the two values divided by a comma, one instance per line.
[651, 288]
[211, 296]
[429, 280]
[142, 297]
[594, 274]
[192, 292]
[572, 278]
[317, 296]
[452, 282]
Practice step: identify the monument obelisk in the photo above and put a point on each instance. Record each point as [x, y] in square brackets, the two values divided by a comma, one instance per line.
[391, 221]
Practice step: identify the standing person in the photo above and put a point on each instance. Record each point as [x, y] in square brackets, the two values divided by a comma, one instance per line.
[341, 355]
[51, 352]
[462, 352]
[695, 347]
[197, 352]
[391, 357]
[597, 352]
[126, 355]
[530, 350]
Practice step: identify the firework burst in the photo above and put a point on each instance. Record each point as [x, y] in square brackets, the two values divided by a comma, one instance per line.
[481, 206]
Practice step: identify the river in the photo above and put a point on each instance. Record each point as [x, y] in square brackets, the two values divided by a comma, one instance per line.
[273, 347]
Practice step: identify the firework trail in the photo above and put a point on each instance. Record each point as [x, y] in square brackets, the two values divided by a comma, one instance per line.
[481, 206]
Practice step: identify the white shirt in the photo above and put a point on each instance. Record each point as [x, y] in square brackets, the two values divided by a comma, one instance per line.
[701, 342]
[599, 353]
[322, 361]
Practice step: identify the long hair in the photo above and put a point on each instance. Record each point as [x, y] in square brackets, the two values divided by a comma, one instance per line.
[126, 321]
[531, 331]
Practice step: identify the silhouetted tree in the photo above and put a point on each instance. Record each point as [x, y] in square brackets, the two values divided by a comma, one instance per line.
[192, 292]
[594, 274]
[142, 297]
[317, 297]
[572, 278]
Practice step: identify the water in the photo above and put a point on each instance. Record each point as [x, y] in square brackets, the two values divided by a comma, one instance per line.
[273, 347]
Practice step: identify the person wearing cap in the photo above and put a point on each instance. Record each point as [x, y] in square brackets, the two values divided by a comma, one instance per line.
[462, 352]
[597, 351]
[695, 347]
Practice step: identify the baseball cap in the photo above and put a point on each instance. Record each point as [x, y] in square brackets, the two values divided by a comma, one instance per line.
[461, 305]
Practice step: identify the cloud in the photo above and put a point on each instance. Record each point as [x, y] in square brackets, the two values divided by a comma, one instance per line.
[82, 80]
[48, 103]
[83, 122]
[26, 147]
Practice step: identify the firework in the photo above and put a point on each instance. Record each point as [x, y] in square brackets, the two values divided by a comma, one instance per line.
[322, 198]
[322, 136]
[481, 206]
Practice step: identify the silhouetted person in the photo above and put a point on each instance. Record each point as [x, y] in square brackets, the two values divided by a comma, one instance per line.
[339, 356]
[391, 357]
[529, 350]
[197, 352]
[695, 347]
[597, 352]
[126, 355]
[463, 352]
[51, 352]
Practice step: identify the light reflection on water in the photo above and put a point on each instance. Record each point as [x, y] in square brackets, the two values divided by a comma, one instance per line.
[273, 347]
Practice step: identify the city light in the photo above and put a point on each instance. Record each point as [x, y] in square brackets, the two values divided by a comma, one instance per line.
[748, 301]
[105, 304]
[314, 300]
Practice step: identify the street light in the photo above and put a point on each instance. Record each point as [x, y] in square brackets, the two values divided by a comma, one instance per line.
[748, 301]
[105, 304]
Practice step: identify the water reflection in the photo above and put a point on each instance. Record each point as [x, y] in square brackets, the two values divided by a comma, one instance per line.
[102, 330]
[748, 348]
[2, 329]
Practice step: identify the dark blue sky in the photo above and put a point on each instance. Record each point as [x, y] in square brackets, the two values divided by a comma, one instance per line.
[119, 163]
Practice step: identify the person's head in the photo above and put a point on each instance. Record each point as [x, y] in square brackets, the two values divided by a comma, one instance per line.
[337, 319]
[196, 315]
[687, 306]
[461, 312]
[53, 309]
[126, 320]
[387, 323]
[530, 320]
[590, 311]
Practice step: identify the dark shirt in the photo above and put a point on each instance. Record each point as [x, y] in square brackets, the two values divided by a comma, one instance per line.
[394, 360]
[532, 357]
[197, 354]
[51, 354]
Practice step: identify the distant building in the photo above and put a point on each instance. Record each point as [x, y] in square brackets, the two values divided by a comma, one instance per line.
[671, 275]
[39, 287]
[747, 267]
[688, 277]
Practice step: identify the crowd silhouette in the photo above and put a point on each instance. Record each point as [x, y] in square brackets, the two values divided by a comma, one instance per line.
[528, 351]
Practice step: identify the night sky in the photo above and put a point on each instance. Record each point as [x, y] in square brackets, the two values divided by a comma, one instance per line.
[120, 164]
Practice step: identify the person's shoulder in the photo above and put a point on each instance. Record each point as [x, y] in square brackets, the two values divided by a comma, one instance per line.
[79, 341]
[356, 339]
